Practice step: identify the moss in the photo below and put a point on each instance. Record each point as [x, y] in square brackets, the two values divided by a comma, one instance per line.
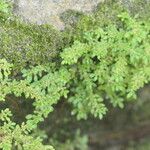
[70, 17]
[24, 44]
[141, 8]
[106, 13]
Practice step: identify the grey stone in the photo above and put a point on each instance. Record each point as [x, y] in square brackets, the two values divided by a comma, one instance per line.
[48, 11]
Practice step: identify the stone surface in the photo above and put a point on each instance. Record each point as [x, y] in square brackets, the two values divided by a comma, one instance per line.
[48, 11]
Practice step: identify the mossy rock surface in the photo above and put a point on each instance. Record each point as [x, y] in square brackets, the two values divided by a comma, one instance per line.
[24, 44]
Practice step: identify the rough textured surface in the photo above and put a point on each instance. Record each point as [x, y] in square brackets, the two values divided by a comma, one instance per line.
[48, 11]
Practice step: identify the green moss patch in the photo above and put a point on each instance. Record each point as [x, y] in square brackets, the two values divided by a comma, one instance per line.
[24, 44]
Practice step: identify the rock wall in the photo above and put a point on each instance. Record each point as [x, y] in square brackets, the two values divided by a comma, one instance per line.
[48, 11]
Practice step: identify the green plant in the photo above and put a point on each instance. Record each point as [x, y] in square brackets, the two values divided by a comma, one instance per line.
[102, 58]
[46, 92]
[108, 64]
[5, 9]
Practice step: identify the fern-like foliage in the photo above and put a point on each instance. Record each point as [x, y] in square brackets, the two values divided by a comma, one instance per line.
[107, 64]
[46, 91]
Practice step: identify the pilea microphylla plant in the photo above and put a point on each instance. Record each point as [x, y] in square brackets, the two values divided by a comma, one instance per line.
[107, 63]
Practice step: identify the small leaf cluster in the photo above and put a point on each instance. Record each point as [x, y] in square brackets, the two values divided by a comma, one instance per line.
[46, 92]
[5, 9]
[111, 63]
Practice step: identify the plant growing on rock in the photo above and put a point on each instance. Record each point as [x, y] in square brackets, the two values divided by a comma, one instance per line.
[106, 64]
